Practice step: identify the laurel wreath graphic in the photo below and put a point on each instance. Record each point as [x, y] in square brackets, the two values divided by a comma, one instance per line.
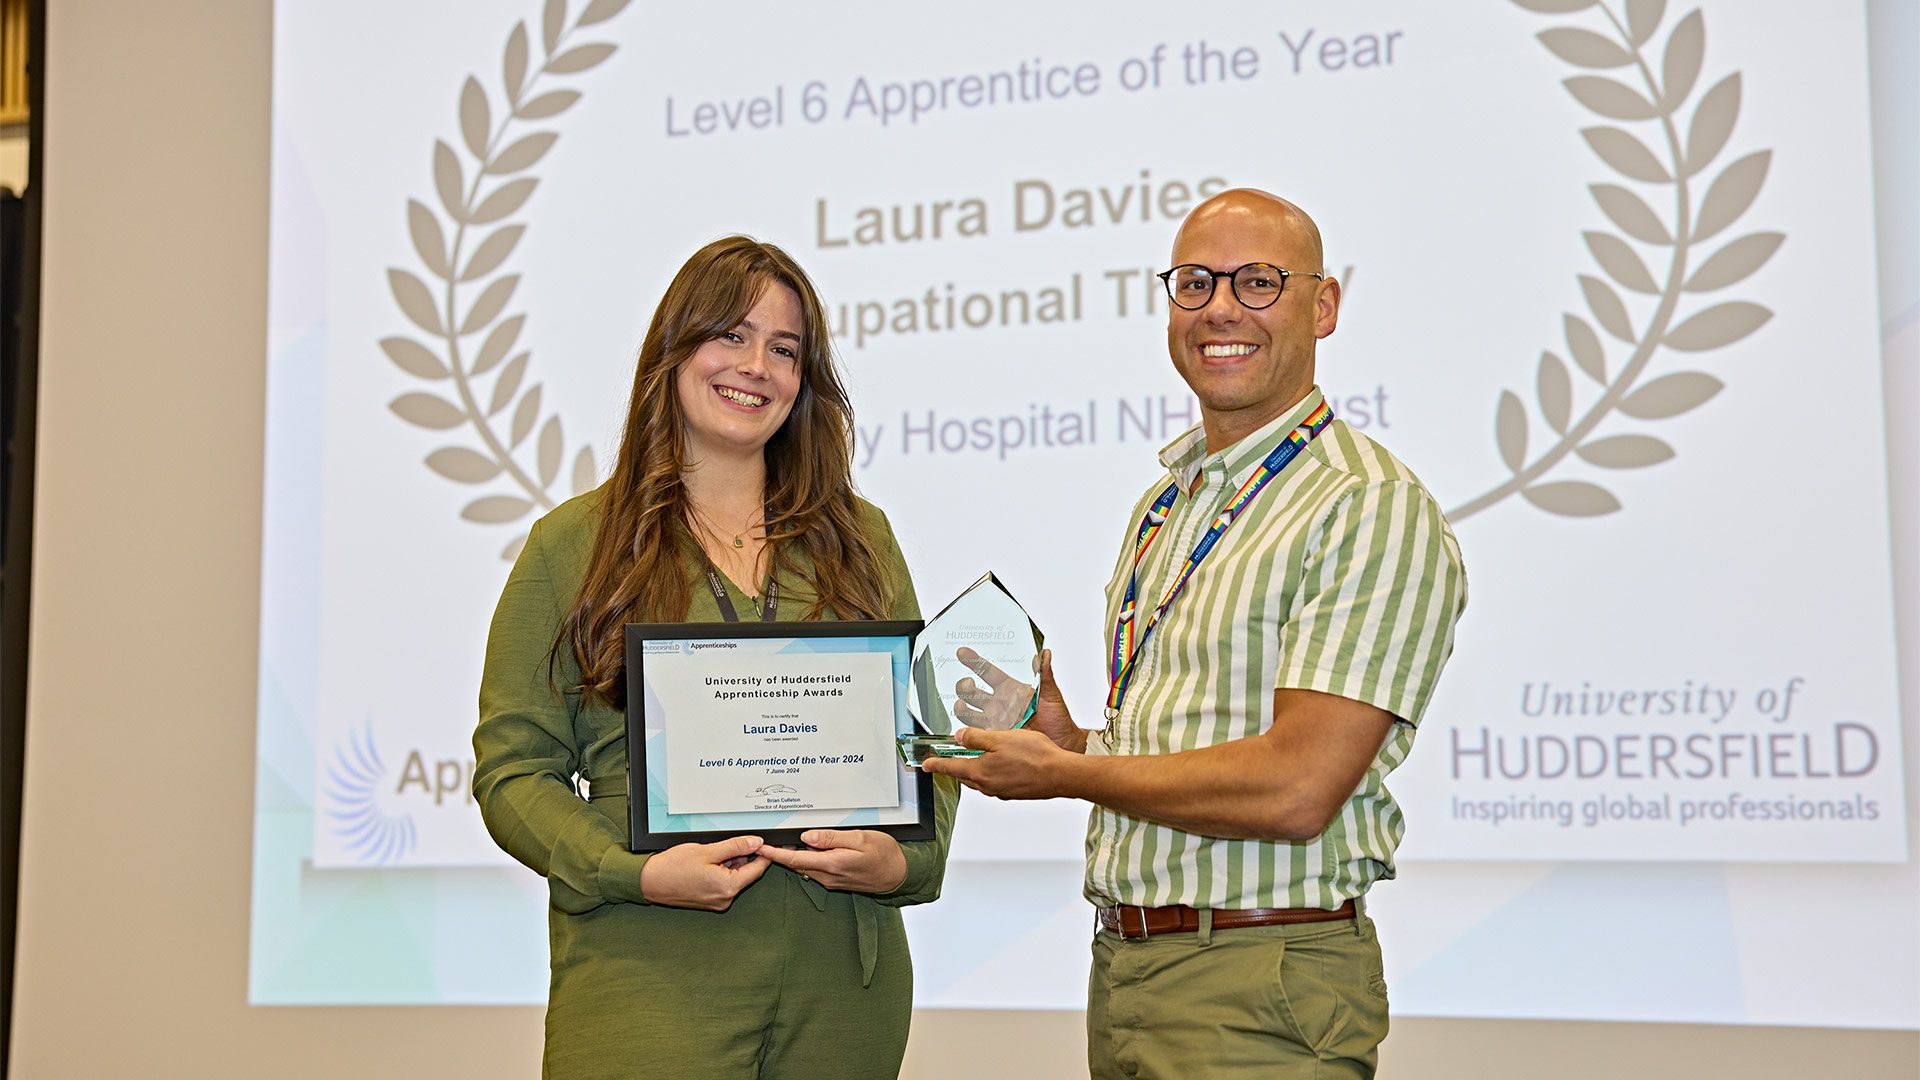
[1729, 195]
[442, 244]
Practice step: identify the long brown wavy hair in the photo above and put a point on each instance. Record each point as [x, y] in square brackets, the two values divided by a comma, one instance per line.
[638, 569]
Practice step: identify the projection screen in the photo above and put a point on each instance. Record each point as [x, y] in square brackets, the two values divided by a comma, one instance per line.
[1609, 289]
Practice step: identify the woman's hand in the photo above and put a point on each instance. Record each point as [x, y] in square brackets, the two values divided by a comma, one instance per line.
[850, 860]
[703, 876]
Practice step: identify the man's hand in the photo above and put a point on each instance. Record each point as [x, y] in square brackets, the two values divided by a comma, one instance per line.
[1017, 764]
[850, 860]
[1001, 704]
[702, 876]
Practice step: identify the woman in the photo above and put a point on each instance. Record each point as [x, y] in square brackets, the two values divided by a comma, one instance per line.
[731, 494]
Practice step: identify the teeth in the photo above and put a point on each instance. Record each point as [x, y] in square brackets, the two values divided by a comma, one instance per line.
[740, 396]
[1225, 350]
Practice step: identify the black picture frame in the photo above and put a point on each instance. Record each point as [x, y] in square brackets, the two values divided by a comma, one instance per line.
[642, 834]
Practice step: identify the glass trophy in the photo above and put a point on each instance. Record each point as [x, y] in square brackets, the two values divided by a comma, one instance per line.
[976, 664]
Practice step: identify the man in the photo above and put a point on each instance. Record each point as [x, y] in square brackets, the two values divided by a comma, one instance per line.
[1240, 814]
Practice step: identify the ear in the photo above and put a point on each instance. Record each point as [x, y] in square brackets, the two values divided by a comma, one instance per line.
[1326, 307]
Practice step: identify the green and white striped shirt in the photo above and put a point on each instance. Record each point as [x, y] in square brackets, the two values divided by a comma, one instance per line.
[1341, 576]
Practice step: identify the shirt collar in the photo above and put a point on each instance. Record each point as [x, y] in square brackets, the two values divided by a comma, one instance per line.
[1185, 457]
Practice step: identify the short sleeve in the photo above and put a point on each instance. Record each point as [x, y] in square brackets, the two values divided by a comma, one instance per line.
[1383, 586]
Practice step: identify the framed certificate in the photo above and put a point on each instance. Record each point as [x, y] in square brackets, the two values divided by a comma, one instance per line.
[770, 729]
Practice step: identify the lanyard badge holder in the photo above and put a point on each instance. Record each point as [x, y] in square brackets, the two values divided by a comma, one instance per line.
[1127, 645]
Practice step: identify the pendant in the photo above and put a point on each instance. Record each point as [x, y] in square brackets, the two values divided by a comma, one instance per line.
[737, 542]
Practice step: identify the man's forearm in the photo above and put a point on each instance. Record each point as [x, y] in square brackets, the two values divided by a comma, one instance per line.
[1283, 784]
[1237, 790]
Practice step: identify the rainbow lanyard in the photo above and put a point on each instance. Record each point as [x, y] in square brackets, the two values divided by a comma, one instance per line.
[1126, 648]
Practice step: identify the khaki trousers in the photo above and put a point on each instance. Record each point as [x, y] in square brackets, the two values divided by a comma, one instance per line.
[1297, 1001]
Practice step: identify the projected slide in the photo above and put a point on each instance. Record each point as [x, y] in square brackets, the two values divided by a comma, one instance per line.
[1608, 289]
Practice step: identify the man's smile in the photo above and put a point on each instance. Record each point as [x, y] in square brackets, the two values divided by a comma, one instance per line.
[1226, 350]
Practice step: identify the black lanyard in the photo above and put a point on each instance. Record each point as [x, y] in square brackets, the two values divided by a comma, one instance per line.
[726, 603]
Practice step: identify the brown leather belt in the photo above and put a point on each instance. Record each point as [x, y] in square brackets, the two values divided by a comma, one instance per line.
[1139, 922]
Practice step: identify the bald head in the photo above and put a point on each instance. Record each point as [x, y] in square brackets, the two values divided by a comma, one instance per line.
[1247, 365]
[1251, 210]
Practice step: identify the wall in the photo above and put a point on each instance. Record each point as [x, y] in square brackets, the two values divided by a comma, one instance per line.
[134, 905]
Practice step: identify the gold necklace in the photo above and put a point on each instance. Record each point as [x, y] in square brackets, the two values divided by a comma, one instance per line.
[739, 538]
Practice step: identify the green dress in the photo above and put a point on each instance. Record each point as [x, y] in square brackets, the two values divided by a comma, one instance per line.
[792, 980]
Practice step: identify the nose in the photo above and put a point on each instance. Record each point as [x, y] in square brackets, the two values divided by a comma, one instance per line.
[1223, 305]
[753, 362]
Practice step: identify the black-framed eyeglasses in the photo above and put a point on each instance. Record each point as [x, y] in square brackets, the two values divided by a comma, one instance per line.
[1255, 285]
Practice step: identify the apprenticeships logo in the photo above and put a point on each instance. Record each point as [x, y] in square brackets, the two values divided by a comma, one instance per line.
[374, 835]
